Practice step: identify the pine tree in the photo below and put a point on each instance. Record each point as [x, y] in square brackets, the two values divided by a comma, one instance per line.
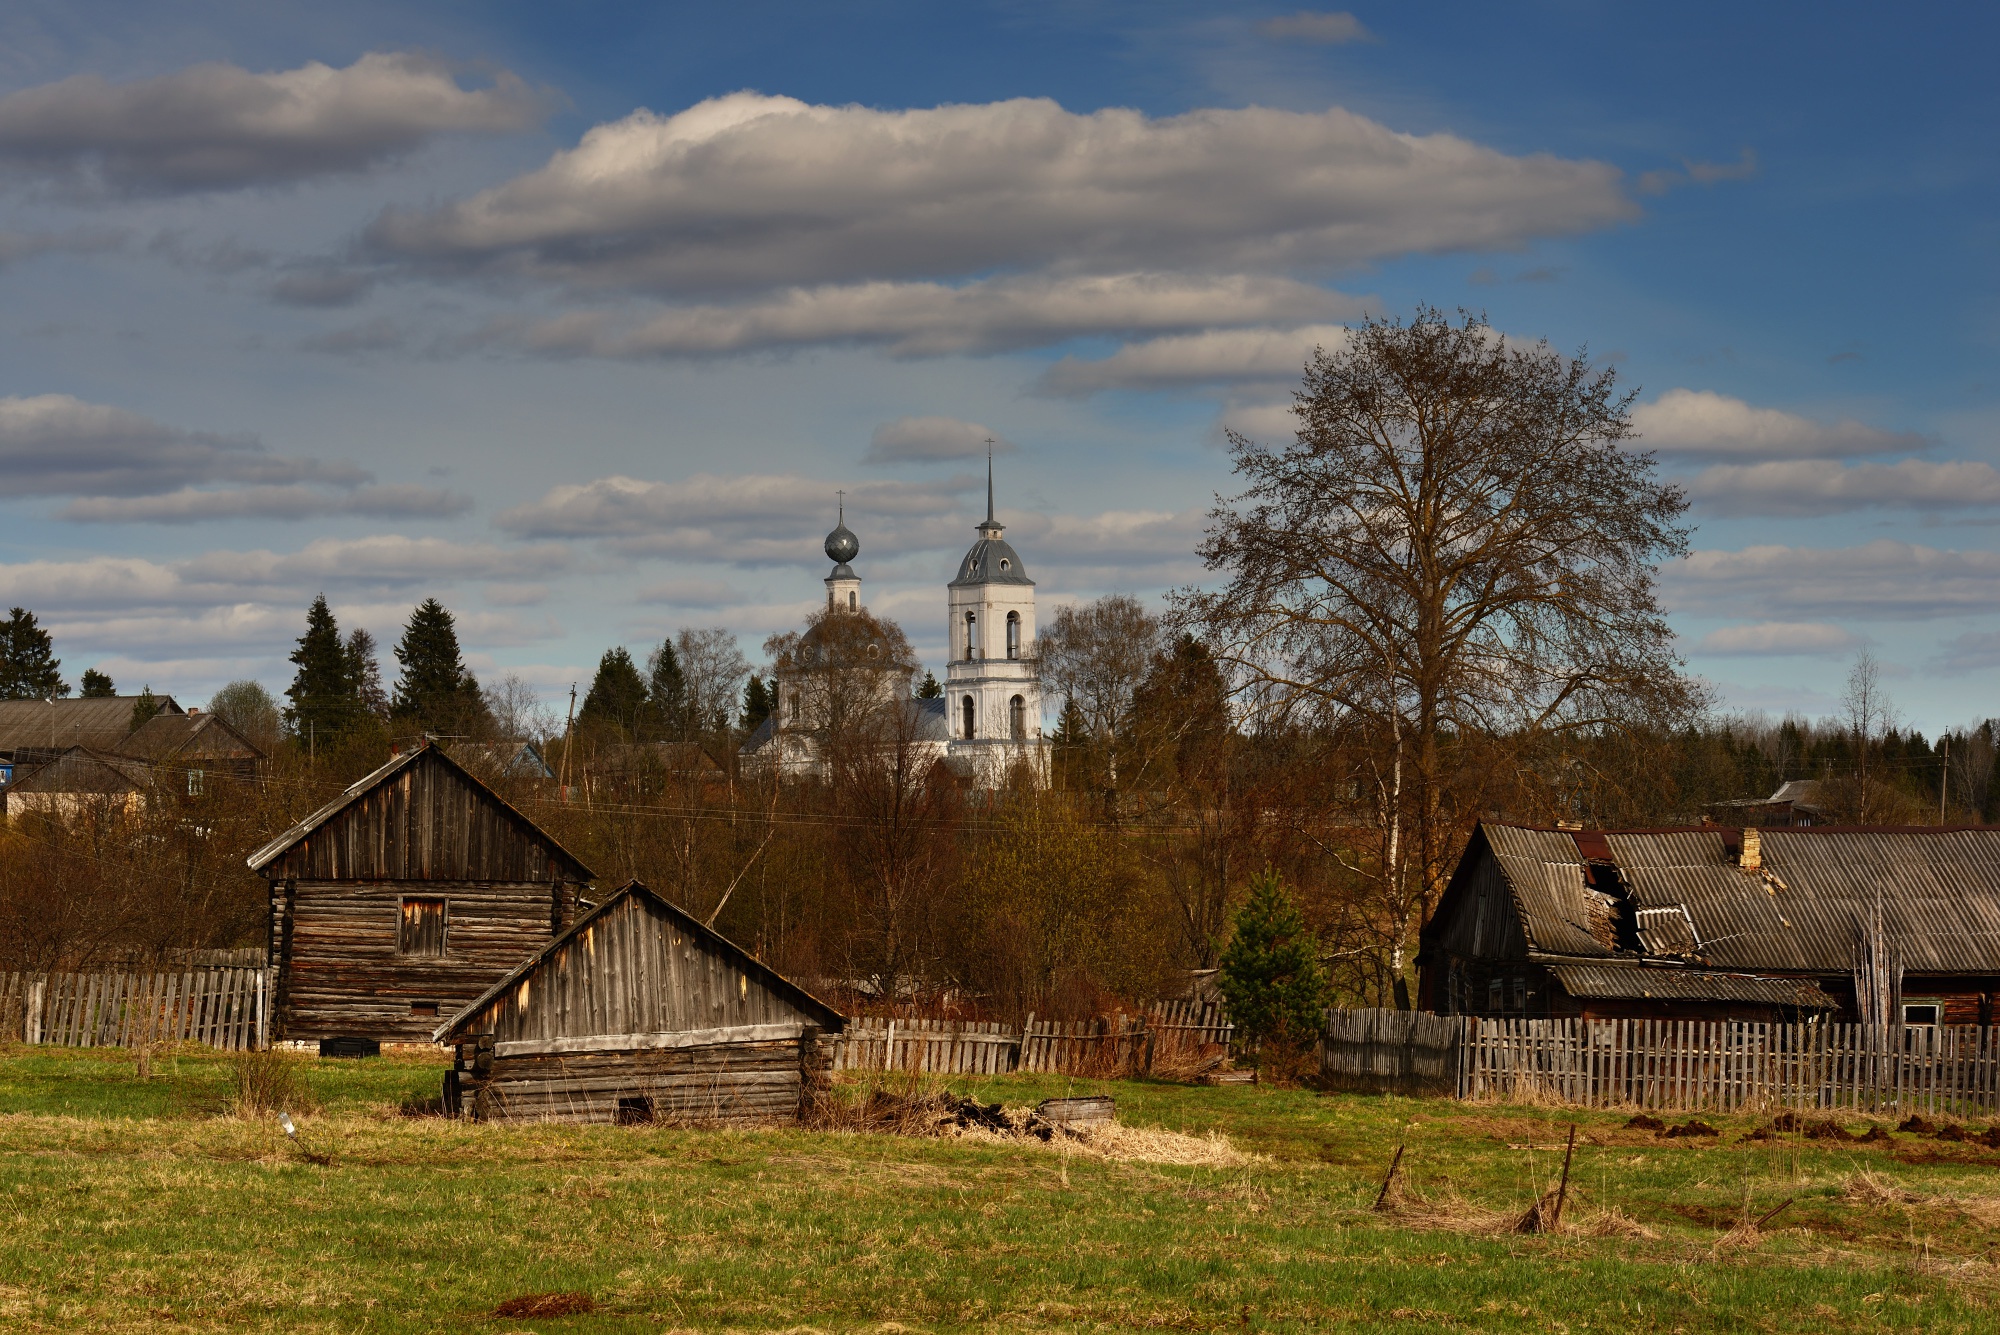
[756, 704]
[364, 670]
[930, 690]
[322, 708]
[617, 703]
[28, 665]
[144, 706]
[97, 686]
[435, 693]
[1271, 973]
[666, 691]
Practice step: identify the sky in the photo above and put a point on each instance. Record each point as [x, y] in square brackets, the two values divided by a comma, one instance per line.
[578, 317]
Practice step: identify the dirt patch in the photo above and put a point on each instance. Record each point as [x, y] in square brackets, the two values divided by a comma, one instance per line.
[1694, 1126]
[944, 1115]
[1645, 1122]
[1915, 1125]
[547, 1304]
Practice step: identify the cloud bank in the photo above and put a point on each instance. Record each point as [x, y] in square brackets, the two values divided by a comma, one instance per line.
[219, 127]
[932, 440]
[748, 192]
[1698, 423]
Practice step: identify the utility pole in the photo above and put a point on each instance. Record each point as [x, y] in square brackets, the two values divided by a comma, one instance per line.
[568, 723]
[1944, 777]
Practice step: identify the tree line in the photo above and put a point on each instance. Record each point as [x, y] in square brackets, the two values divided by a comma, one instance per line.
[1435, 605]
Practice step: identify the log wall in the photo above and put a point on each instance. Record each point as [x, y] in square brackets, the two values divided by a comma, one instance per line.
[713, 1084]
[344, 976]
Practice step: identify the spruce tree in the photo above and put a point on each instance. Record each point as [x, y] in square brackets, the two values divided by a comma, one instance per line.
[929, 690]
[144, 707]
[28, 665]
[617, 703]
[97, 686]
[364, 670]
[666, 691]
[1271, 974]
[756, 704]
[436, 693]
[322, 708]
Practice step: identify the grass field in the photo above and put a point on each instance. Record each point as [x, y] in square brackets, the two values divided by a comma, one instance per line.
[142, 1205]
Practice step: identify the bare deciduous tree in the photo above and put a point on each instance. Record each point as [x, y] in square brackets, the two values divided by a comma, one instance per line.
[1095, 655]
[1457, 543]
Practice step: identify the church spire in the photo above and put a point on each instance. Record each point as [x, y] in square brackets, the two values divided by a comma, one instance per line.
[991, 527]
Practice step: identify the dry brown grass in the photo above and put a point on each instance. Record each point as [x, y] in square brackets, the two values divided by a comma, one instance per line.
[267, 1082]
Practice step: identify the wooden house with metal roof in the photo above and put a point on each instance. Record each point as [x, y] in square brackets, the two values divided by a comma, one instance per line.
[1717, 923]
[34, 732]
[639, 1013]
[406, 897]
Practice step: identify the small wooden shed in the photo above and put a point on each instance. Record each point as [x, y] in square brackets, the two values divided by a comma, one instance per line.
[639, 1013]
[404, 898]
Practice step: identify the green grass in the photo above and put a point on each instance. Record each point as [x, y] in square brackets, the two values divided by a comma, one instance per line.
[130, 1205]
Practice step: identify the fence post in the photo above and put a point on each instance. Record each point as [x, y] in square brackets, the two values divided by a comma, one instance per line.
[31, 1022]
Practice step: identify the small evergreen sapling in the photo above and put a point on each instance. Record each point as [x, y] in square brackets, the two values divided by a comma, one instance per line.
[1271, 975]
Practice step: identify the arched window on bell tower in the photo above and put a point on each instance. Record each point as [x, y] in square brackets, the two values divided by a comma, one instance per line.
[966, 713]
[971, 638]
[1013, 635]
[1017, 718]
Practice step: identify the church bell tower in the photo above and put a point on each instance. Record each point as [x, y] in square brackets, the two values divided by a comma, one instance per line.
[993, 698]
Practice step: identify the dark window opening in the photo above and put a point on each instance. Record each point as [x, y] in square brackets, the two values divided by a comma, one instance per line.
[1017, 718]
[423, 1008]
[1013, 635]
[635, 1111]
[1924, 1012]
[966, 715]
[971, 636]
[420, 930]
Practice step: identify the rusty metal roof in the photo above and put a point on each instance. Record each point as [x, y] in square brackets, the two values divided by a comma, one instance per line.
[1545, 872]
[1803, 911]
[1638, 983]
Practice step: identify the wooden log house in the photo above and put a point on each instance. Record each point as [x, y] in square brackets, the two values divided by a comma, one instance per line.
[639, 1013]
[406, 897]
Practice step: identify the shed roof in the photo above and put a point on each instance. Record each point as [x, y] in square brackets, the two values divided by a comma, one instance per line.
[99, 721]
[427, 754]
[1804, 911]
[83, 769]
[828, 1017]
[1639, 983]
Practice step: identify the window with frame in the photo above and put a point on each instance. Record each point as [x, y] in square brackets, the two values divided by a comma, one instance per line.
[195, 777]
[1017, 718]
[971, 636]
[420, 929]
[1013, 635]
[1923, 1012]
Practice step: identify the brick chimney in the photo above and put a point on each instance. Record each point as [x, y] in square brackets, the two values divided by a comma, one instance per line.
[1751, 855]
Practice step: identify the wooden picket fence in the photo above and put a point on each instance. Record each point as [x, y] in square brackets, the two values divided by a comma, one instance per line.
[1108, 1045]
[224, 1008]
[1668, 1065]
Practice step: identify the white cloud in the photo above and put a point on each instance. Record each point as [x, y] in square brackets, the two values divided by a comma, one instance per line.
[188, 506]
[1320, 28]
[748, 192]
[1824, 487]
[54, 444]
[932, 440]
[929, 319]
[1269, 423]
[1212, 356]
[749, 520]
[218, 126]
[1779, 637]
[225, 578]
[1703, 423]
[1884, 579]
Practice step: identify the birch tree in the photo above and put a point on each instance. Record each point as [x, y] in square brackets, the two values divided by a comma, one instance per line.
[1459, 543]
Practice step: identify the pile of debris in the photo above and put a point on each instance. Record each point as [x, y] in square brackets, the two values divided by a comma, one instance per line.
[1086, 1126]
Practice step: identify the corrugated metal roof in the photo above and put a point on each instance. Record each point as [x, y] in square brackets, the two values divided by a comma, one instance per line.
[100, 721]
[1637, 983]
[1545, 872]
[1804, 911]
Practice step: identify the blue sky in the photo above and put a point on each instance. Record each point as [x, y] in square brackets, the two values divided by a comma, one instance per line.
[576, 316]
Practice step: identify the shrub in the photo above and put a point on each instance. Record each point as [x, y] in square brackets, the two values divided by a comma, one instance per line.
[267, 1082]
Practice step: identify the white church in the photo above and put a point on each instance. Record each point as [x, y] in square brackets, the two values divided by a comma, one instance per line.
[990, 717]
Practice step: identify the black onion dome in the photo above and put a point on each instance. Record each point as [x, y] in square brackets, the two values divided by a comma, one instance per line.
[842, 546]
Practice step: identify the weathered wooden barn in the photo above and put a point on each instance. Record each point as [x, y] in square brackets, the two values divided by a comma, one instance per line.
[1717, 923]
[639, 1013]
[406, 897]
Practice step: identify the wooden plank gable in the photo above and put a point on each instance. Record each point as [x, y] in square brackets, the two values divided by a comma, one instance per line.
[639, 966]
[421, 817]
